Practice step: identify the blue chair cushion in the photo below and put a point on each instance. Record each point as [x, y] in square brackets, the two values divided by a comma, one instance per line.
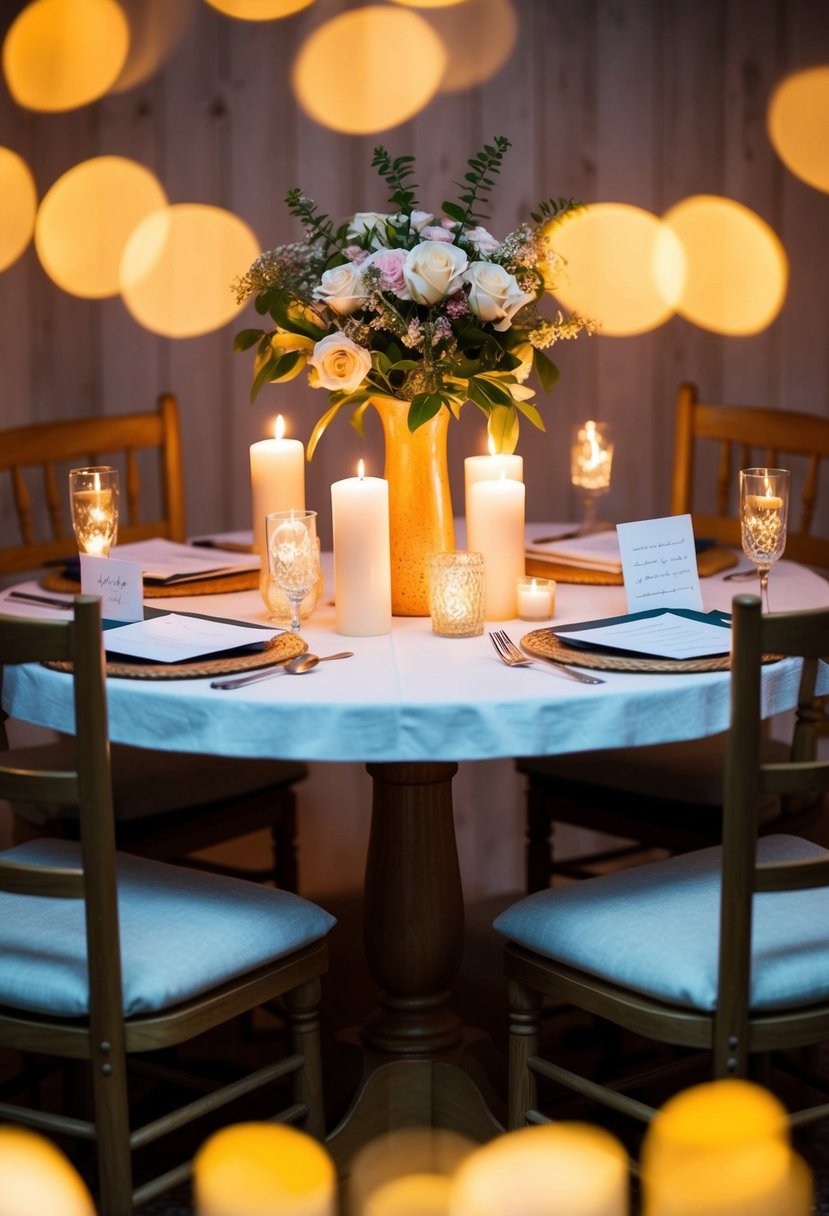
[182, 933]
[655, 929]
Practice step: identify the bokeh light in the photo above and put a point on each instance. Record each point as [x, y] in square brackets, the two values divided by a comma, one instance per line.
[86, 218]
[263, 1167]
[623, 267]
[18, 206]
[259, 10]
[737, 270]
[156, 29]
[406, 1172]
[556, 1169]
[798, 124]
[429, 3]
[348, 77]
[723, 1147]
[61, 54]
[479, 36]
[178, 267]
[35, 1176]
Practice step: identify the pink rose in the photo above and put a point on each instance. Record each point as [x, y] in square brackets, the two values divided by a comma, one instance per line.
[483, 241]
[390, 263]
[433, 233]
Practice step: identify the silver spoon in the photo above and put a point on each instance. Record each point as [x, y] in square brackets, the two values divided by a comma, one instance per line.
[294, 667]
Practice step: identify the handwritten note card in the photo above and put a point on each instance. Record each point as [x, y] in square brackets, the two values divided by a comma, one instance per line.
[659, 563]
[119, 585]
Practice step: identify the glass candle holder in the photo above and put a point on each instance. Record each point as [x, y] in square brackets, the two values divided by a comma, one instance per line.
[93, 497]
[457, 594]
[536, 599]
[591, 460]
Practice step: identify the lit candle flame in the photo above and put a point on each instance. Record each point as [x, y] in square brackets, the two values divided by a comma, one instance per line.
[491, 445]
[279, 427]
[361, 469]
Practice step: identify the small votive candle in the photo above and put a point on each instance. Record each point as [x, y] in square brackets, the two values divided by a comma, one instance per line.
[457, 594]
[536, 599]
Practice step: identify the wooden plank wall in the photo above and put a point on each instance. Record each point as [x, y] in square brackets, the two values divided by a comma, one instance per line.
[638, 101]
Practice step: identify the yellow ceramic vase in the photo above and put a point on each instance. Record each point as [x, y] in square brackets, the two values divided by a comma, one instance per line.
[420, 502]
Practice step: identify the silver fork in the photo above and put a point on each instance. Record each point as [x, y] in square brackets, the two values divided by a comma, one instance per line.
[509, 653]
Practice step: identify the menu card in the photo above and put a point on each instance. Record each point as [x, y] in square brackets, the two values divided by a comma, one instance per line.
[175, 637]
[164, 561]
[659, 563]
[661, 633]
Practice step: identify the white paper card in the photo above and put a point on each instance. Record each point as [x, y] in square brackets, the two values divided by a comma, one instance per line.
[659, 564]
[119, 584]
[668, 636]
[175, 638]
[167, 561]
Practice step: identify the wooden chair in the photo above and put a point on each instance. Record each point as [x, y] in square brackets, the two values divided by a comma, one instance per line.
[724, 949]
[167, 805]
[107, 956]
[669, 796]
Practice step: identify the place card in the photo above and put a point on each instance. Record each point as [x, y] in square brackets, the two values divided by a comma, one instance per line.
[659, 563]
[120, 585]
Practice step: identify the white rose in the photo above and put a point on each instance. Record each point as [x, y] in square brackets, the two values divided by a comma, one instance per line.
[417, 220]
[340, 363]
[341, 288]
[362, 223]
[494, 295]
[434, 270]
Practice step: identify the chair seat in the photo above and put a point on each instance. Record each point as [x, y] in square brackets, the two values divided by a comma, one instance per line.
[655, 929]
[147, 783]
[182, 932]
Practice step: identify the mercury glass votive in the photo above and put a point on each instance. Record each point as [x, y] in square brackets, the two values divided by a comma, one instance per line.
[457, 594]
[591, 460]
[93, 497]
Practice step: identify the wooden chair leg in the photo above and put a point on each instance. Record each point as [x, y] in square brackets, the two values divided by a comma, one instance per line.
[525, 1017]
[302, 1006]
[109, 1085]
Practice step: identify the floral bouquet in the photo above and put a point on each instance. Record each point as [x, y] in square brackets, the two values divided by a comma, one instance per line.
[430, 310]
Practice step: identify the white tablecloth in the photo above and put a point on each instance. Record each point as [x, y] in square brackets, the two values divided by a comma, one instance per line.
[410, 695]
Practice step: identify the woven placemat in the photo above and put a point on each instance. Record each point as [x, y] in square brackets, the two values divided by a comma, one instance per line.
[546, 645]
[278, 650]
[709, 562]
[248, 580]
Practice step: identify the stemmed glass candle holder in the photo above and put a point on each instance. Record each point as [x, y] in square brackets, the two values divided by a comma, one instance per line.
[293, 555]
[93, 495]
[591, 459]
[764, 512]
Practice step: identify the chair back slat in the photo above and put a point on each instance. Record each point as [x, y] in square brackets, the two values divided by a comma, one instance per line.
[52, 881]
[742, 437]
[54, 447]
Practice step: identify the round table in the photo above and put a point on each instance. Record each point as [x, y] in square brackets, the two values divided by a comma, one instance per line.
[410, 705]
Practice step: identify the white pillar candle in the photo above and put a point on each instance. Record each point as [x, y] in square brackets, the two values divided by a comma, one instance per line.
[489, 468]
[536, 599]
[495, 527]
[277, 479]
[362, 557]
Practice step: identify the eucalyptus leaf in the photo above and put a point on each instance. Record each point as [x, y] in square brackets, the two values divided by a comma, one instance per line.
[545, 369]
[424, 407]
[246, 338]
[502, 429]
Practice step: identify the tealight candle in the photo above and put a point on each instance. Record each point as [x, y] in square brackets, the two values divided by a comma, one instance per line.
[495, 527]
[764, 502]
[277, 479]
[362, 555]
[536, 599]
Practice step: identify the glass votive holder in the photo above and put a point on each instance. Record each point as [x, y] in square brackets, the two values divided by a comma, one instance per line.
[93, 498]
[457, 598]
[536, 599]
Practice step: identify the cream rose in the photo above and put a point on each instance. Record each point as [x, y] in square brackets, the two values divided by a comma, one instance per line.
[340, 363]
[362, 223]
[494, 295]
[434, 270]
[341, 288]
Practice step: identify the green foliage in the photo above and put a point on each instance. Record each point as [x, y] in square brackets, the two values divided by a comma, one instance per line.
[553, 210]
[394, 172]
[479, 181]
[317, 225]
